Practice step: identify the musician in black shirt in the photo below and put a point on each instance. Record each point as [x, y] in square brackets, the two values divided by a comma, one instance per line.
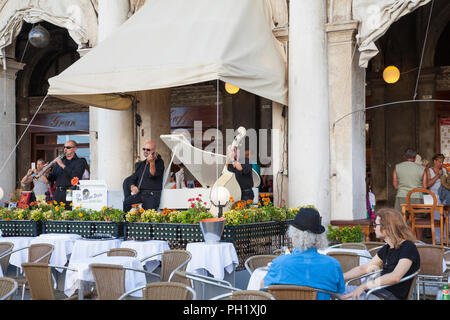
[65, 169]
[243, 173]
[146, 182]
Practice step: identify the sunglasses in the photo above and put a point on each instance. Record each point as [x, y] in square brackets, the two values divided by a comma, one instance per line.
[68, 147]
[145, 149]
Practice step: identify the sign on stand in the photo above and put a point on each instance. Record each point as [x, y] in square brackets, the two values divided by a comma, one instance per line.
[92, 194]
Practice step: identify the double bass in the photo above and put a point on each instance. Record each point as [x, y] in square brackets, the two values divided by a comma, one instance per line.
[227, 178]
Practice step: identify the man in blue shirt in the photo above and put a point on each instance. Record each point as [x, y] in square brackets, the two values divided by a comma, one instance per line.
[305, 266]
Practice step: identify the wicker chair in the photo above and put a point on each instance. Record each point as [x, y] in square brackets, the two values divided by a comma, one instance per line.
[39, 279]
[294, 292]
[373, 247]
[258, 261]
[347, 260]
[171, 261]
[39, 252]
[377, 273]
[8, 287]
[110, 280]
[114, 252]
[350, 245]
[5, 249]
[247, 295]
[164, 291]
[431, 265]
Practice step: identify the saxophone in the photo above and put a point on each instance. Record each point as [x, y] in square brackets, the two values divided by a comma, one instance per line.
[41, 173]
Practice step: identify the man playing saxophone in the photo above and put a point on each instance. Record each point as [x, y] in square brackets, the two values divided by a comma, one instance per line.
[38, 178]
[66, 168]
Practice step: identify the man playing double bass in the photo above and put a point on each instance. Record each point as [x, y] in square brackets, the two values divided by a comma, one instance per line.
[242, 172]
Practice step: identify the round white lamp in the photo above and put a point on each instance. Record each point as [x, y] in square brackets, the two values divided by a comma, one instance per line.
[39, 37]
[220, 197]
[391, 74]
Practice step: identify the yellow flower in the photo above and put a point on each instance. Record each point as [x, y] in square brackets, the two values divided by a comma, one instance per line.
[71, 204]
[104, 208]
[56, 208]
[80, 215]
[54, 202]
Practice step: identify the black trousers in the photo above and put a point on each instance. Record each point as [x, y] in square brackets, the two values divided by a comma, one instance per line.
[247, 194]
[126, 187]
[149, 201]
[60, 196]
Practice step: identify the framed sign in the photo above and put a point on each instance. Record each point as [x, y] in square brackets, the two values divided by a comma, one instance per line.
[92, 194]
[444, 130]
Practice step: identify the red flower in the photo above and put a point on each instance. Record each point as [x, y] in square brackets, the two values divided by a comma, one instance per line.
[74, 181]
[198, 199]
[192, 205]
[199, 195]
[204, 203]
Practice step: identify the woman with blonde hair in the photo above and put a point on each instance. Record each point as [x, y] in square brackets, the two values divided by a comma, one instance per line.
[396, 259]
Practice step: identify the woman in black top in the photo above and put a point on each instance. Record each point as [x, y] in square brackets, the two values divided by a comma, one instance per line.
[397, 259]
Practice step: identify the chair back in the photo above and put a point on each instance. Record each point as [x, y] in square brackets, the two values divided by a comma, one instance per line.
[109, 280]
[168, 291]
[39, 278]
[292, 292]
[41, 252]
[5, 247]
[258, 261]
[7, 288]
[373, 246]
[413, 209]
[170, 261]
[431, 257]
[124, 252]
[348, 260]
[251, 295]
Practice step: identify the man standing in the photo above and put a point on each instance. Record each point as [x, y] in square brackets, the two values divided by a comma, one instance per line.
[243, 173]
[146, 182]
[406, 176]
[65, 169]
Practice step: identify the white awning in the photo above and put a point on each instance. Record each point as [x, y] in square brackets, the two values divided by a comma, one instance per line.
[376, 16]
[179, 42]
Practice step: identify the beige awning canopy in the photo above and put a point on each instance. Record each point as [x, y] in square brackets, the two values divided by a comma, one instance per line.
[178, 42]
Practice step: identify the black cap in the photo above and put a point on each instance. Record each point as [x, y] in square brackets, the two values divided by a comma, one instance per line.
[308, 219]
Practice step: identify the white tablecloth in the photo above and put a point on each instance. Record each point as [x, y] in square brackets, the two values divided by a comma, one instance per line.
[84, 273]
[16, 259]
[84, 248]
[147, 248]
[215, 258]
[63, 245]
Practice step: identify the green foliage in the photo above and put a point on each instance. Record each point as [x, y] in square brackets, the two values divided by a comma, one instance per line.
[346, 234]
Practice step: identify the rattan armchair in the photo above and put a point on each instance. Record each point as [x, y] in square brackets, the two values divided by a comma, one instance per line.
[294, 292]
[115, 252]
[431, 264]
[110, 279]
[373, 247]
[164, 291]
[171, 261]
[246, 295]
[5, 250]
[40, 281]
[8, 287]
[39, 252]
[258, 261]
[377, 273]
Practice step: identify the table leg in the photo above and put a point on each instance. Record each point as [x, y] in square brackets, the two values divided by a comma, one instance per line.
[81, 286]
[441, 220]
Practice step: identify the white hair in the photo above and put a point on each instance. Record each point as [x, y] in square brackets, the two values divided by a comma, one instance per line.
[304, 240]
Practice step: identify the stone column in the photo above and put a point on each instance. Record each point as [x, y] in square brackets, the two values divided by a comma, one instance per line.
[8, 179]
[279, 154]
[347, 121]
[309, 168]
[114, 128]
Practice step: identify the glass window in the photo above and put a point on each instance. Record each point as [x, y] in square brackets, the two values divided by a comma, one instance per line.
[78, 138]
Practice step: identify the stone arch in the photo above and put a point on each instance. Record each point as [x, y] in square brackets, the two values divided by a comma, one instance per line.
[438, 24]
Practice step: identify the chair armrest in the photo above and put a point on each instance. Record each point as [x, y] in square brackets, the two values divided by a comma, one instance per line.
[11, 252]
[44, 256]
[186, 274]
[208, 280]
[331, 293]
[179, 268]
[5, 253]
[130, 292]
[142, 271]
[370, 274]
[97, 254]
[62, 267]
[388, 285]
[153, 255]
[375, 248]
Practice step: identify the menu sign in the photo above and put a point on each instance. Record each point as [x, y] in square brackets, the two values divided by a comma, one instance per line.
[444, 124]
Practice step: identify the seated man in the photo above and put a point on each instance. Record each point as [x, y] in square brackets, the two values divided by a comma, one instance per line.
[305, 266]
[146, 182]
[397, 259]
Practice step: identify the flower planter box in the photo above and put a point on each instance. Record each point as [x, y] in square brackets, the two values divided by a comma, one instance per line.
[20, 228]
[248, 239]
[86, 229]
